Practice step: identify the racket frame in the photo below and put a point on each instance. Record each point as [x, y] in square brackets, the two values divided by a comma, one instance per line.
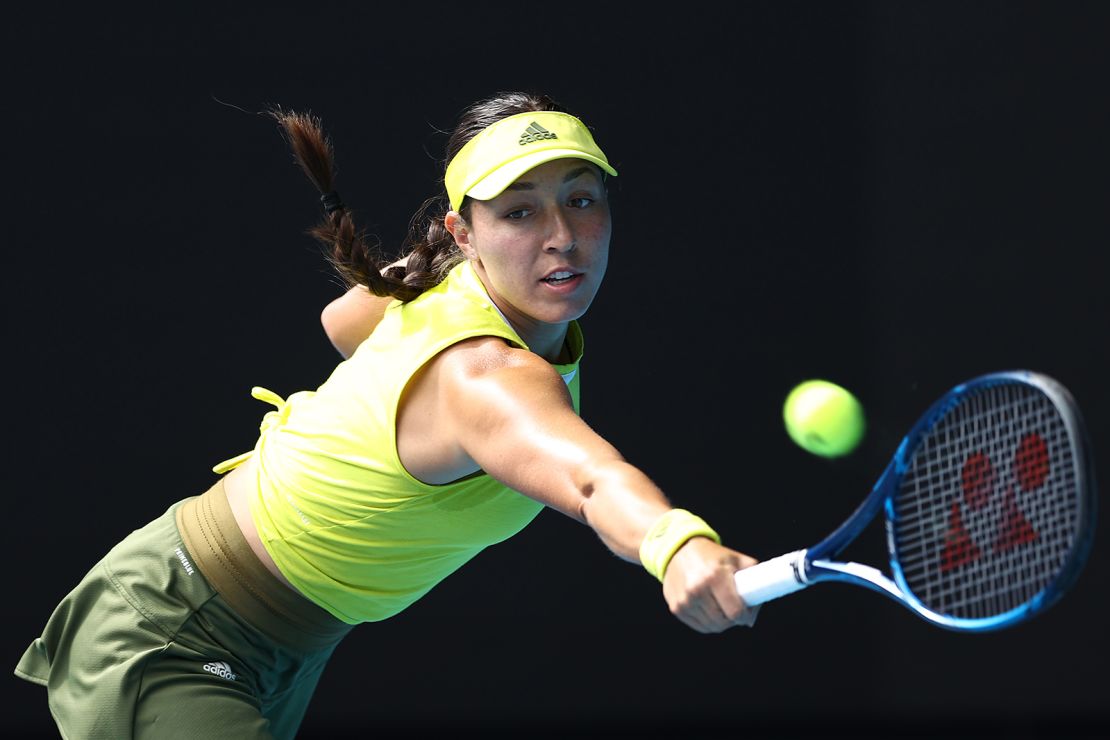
[815, 565]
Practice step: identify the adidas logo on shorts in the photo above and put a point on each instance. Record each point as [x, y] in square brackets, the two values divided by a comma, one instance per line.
[221, 669]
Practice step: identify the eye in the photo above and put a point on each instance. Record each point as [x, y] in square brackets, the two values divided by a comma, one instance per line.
[580, 202]
[518, 214]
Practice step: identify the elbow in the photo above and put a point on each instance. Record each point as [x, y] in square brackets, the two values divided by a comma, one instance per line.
[329, 321]
[581, 510]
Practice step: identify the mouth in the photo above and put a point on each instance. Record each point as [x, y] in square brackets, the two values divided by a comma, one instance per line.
[560, 277]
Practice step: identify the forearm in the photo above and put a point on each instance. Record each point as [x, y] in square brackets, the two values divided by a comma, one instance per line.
[624, 506]
[513, 418]
[620, 503]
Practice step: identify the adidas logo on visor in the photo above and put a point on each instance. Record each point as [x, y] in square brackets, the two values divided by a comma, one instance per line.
[535, 132]
[221, 669]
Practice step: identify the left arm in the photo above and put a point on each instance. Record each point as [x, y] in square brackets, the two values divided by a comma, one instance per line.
[514, 419]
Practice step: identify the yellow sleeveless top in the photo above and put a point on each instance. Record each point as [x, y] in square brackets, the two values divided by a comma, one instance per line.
[335, 508]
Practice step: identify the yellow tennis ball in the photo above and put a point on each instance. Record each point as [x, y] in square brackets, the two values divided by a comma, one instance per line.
[823, 418]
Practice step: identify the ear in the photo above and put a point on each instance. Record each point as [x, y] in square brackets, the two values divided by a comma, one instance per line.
[460, 231]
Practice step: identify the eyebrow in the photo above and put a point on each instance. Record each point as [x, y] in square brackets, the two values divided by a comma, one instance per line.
[567, 178]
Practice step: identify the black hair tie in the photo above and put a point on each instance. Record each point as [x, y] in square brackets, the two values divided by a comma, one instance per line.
[331, 202]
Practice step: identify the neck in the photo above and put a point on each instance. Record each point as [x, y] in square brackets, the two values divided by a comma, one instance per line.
[549, 341]
[546, 340]
[554, 350]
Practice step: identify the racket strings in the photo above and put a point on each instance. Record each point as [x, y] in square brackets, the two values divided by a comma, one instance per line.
[988, 509]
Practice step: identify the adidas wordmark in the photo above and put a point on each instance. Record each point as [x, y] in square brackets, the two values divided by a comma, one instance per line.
[535, 132]
[221, 669]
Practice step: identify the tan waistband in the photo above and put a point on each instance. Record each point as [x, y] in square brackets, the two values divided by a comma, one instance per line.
[212, 536]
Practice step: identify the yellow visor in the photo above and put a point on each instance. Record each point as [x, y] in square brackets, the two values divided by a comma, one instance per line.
[504, 151]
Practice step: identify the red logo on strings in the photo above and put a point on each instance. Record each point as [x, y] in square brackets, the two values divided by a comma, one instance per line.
[978, 482]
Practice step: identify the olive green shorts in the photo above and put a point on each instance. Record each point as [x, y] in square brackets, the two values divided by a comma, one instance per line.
[145, 647]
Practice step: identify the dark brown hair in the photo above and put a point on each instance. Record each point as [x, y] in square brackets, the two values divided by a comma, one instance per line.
[430, 249]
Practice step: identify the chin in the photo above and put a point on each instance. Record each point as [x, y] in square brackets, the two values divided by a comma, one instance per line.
[569, 313]
[553, 310]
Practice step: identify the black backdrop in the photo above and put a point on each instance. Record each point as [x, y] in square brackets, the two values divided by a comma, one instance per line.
[895, 196]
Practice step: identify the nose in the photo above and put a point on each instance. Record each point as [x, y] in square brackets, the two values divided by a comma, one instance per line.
[561, 236]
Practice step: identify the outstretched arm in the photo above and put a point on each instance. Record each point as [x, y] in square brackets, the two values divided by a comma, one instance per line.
[512, 416]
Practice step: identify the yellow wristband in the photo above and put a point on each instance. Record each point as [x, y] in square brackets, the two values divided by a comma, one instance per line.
[669, 533]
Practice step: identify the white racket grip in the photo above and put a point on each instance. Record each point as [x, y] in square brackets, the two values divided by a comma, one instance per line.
[772, 578]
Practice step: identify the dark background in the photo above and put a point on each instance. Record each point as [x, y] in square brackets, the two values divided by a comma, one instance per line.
[894, 196]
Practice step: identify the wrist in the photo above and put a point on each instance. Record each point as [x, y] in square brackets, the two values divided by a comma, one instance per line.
[667, 535]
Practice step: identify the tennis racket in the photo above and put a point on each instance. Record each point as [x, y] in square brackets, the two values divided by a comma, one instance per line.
[989, 504]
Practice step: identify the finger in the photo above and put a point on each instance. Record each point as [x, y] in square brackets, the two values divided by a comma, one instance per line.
[732, 608]
[693, 618]
[713, 616]
[693, 612]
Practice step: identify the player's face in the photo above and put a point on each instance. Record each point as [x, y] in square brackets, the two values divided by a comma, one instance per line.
[542, 246]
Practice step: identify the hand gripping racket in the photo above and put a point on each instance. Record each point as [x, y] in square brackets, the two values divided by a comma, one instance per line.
[989, 504]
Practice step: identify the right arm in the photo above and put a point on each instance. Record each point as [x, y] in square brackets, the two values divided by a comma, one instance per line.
[352, 317]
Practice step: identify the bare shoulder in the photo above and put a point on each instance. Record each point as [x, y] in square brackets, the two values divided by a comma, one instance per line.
[481, 357]
[479, 375]
[454, 405]
[484, 378]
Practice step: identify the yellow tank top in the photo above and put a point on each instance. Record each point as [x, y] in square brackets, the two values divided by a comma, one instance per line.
[335, 508]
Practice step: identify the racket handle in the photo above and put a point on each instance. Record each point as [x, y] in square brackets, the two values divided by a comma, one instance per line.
[772, 578]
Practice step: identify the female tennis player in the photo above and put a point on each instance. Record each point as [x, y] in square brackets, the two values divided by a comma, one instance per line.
[450, 425]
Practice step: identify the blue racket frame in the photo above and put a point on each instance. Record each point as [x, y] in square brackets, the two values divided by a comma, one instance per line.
[819, 567]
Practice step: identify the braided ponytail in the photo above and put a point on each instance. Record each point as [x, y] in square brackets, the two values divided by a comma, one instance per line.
[430, 249]
[355, 260]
